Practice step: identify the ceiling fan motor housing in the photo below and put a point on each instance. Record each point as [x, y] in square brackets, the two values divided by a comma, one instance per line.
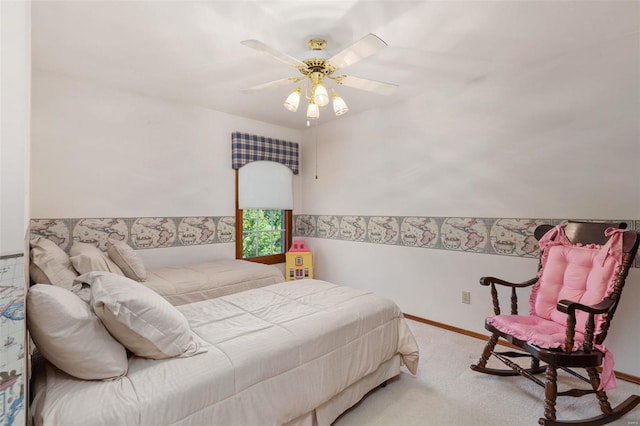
[316, 59]
[317, 65]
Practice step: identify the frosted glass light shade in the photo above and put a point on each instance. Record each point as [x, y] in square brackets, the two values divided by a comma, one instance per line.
[265, 185]
[293, 100]
[320, 95]
[313, 112]
[339, 105]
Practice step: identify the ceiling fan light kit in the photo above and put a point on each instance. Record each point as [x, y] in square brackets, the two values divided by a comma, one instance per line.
[320, 95]
[293, 100]
[339, 105]
[313, 111]
[317, 65]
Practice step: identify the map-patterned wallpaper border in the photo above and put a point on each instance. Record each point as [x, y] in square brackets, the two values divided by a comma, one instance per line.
[500, 236]
[139, 232]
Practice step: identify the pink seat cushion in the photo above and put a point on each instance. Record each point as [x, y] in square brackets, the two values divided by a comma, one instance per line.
[535, 330]
[575, 273]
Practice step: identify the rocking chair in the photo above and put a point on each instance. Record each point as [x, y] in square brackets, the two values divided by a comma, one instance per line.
[581, 273]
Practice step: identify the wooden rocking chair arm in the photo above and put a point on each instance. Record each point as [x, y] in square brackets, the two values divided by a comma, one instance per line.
[493, 280]
[569, 307]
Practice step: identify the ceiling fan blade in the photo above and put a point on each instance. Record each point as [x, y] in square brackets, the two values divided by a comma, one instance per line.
[374, 86]
[269, 85]
[261, 47]
[363, 48]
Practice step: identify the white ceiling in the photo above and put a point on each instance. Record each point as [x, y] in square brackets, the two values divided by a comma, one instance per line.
[190, 52]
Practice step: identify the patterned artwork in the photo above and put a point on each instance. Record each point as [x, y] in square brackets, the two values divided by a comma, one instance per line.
[464, 233]
[197, 230]
[419, 232]
[353, 228]
[328, 227]
[12, 327]
[305, 226]
[227, 229]
[97, 231]
[515, 237]
[383, 229]
[153, 232]
[55, 230]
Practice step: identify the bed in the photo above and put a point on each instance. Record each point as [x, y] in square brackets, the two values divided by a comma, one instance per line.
[195, 282]
[178, 284]
[294, 353]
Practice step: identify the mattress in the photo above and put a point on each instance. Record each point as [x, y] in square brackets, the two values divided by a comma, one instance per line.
[192, 283]
[275, 355]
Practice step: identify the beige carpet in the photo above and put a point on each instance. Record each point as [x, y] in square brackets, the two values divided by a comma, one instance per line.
[446, 392]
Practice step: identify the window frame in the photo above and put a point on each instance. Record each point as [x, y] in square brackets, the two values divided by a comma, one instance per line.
[270, 259]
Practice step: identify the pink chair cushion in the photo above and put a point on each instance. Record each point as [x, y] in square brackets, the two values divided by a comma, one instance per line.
[535, 330]
[574, 273]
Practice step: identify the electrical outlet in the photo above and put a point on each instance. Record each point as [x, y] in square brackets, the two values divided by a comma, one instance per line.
[466, 297]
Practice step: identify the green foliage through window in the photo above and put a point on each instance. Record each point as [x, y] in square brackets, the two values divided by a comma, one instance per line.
[262, 232]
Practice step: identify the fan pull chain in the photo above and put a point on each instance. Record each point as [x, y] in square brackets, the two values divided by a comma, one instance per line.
[316, 137]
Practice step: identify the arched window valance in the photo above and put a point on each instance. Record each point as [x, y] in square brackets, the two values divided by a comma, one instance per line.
[246, 148]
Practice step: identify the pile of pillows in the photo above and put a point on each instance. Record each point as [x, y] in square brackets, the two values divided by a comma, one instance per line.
[89, 339]
[51, 265]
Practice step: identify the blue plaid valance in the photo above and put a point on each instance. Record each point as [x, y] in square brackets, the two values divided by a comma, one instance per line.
[246, 148]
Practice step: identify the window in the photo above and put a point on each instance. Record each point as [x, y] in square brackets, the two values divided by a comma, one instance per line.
[264, 196]
[262, 235]
[265, 234]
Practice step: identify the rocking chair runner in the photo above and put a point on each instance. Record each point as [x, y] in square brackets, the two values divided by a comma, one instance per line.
[582, 270]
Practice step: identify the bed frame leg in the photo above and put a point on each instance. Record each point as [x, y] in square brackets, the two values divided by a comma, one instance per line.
[383, 384]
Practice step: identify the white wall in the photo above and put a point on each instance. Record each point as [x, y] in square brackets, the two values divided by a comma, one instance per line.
[102, 152]
[14, 125]
[562, 131]
[559, 139]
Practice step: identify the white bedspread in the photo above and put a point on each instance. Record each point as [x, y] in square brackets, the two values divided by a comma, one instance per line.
[274, 354]
[201, 281]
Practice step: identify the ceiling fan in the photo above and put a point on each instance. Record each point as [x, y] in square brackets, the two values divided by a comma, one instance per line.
[316, 65]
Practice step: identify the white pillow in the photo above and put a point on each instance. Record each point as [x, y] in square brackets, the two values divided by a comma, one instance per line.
[52, 264]
[37, 275]
[71, 336]
[127, 259]
[87, 257]
[140, 318]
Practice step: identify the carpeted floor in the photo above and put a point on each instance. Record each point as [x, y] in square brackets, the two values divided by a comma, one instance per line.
[446, 391]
